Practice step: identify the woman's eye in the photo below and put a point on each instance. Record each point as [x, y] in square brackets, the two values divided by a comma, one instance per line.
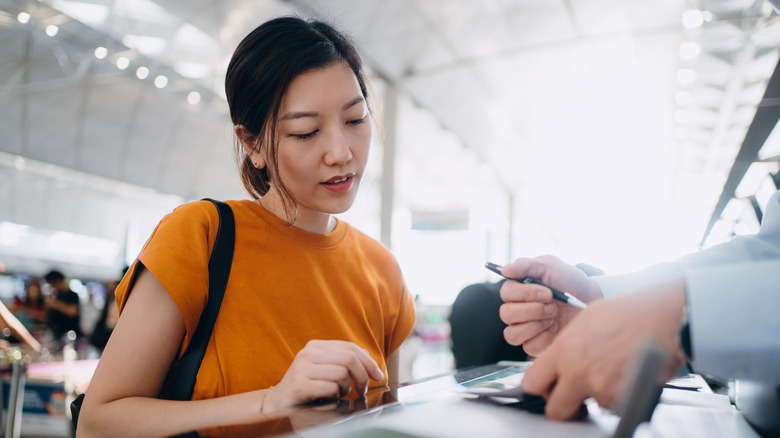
[306, 136]
[359, 121]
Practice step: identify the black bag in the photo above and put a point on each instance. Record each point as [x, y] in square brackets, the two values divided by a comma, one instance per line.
[219, 271]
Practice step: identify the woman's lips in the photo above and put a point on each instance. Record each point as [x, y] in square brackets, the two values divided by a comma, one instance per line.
[339, 184]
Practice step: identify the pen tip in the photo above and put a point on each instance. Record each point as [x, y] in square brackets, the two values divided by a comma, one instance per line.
[576, 302]
[494, 267]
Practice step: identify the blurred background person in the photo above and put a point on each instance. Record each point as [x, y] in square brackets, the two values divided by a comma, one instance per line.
[109, 315]
[17, 330]
[31, 308]
[63, 308]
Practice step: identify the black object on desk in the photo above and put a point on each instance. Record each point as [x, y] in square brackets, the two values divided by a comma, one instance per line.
[643, 390]
[477, 331]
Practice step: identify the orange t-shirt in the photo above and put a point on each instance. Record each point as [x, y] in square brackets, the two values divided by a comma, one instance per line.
[286, 287]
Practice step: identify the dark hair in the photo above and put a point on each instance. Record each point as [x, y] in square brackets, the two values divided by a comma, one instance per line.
[38, 301]
[262, 67]
[54, 276]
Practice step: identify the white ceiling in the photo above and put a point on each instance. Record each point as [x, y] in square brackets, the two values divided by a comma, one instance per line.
[573, 108]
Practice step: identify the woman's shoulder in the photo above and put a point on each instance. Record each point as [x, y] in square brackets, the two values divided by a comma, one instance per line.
[203, 211]
[205, 207]
[364, 239]
[191, 209]
[371, 247]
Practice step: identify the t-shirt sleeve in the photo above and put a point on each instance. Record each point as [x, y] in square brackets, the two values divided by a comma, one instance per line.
[401, 322]
[177, 254]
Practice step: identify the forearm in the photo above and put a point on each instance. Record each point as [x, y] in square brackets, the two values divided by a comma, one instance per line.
[149, 417]
[393, 365]
[613, 285]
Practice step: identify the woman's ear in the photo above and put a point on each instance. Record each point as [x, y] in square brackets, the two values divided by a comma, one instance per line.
[250, 144]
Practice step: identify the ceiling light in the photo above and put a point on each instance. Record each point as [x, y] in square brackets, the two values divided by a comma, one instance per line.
[101, 52]
[122, 63]
[142, 72]
[52, 30]
[146, 45]
[686, 76]
[193, 98]
[683, 98]
[692, 19]
[86, 12]
[689, 51]
[192, 70]
[23, 17]
[707, 15]
[160, 81]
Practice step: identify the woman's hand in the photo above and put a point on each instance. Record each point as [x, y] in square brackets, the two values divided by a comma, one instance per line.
[323, 370]
[533, 317]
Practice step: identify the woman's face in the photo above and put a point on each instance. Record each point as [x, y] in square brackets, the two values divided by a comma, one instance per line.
[33, 291]
[324, 134]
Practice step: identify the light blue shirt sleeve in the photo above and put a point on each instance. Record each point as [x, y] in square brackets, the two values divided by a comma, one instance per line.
[733, 292]
[734, 317]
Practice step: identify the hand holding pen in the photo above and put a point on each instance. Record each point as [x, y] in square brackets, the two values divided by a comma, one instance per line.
[534, 312]
[559, 295]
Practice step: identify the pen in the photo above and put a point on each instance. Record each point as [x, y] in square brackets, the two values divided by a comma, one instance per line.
[559, 295]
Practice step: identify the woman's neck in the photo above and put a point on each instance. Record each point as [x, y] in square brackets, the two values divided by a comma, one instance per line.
[307, 220]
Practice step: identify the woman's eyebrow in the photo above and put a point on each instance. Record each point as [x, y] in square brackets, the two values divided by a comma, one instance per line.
[352, 103]
[301, 114]
[298, 115]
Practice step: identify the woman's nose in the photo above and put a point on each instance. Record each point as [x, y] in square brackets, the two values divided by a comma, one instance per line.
[338, 150]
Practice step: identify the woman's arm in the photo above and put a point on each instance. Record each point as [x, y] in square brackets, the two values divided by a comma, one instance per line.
[121, 399]
[392, 369]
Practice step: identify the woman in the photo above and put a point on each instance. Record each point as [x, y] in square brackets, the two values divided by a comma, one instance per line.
[32, 307]
[313, 308]
[109, 315]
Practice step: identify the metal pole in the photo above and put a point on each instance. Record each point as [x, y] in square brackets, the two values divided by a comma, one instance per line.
[510, 227]
[13, 420]
[390, 116]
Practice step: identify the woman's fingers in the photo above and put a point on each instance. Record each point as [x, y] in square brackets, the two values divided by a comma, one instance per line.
[341, 365]
[318, 389]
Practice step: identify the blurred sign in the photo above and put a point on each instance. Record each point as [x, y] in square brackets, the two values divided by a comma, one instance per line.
[43, 411]
[440, 220]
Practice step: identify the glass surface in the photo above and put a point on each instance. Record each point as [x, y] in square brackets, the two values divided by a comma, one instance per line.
[377, 401]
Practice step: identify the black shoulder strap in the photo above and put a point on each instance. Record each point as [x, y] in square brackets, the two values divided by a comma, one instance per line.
[219, 271]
